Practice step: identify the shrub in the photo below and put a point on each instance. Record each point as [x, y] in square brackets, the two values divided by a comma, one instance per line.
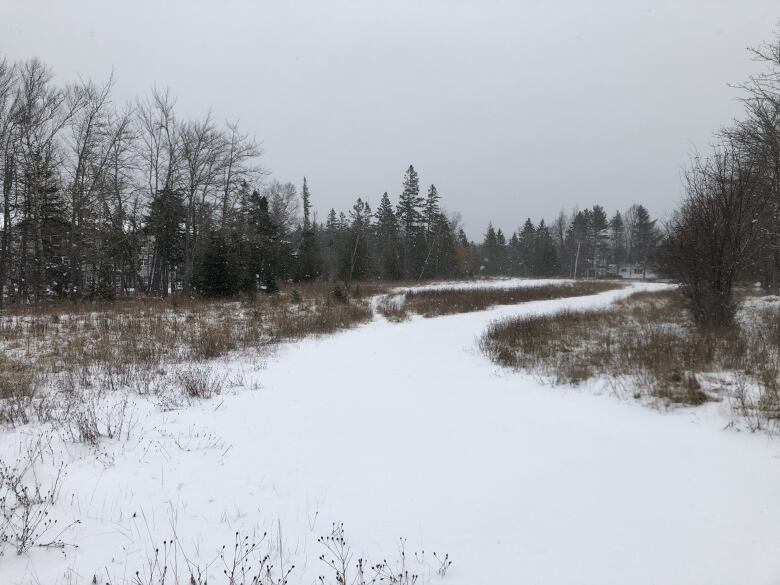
[199, 383]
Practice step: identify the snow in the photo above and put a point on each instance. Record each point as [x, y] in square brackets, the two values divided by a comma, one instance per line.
[496, 282]
[406, 430]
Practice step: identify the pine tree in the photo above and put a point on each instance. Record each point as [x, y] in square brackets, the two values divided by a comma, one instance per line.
[490, 252]
[645, 238]
[217, 275]
[309, 263]
[577, 244]
[306, 196]
[165, 224]
[617, 236]
[265, 249]
[465, 253]
[599, 240]
[527, 239]
[546, 255]
[409, 216]
[387, 240]
[356, 260]
[431, 212]
[514, 256]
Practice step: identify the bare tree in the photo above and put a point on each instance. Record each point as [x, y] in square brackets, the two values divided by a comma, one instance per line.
[283, 204]
[239, 166]
[41, 111]
[91, 145]
[7, 157]
[202, 153]
[709, 238]
[159, 154]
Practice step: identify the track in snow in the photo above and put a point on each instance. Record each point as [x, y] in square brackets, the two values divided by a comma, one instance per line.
[406, 430]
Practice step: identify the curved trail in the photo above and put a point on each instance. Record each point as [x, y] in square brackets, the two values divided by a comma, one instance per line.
[406, 430]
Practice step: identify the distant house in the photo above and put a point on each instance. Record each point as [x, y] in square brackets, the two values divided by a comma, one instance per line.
[634, 271]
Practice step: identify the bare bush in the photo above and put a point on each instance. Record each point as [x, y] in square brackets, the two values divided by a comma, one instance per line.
[26, 503]
[89, 415]
[200, 383]
[17, 388]
[393, 308]
[709, 238]
[259, 560]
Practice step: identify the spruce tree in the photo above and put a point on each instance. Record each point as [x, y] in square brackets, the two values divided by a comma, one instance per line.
[309, 258]
[527, 246]
[431, 211]
[599, 238]
[387, 240]
[409, 216]
[546, 255]
[217, 275]
[645, 238]
[356, 260]
[617, 237]
[306, 196]
[489, 263]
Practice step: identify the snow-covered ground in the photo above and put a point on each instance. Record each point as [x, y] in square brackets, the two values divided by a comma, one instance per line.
[487, 283]
[406, 430]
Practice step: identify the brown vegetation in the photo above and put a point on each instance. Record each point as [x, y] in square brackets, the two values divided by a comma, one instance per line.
[123, 345]
[651, 338]
[436, 302]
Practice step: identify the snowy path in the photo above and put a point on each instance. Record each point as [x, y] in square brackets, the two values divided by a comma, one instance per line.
[406, 430]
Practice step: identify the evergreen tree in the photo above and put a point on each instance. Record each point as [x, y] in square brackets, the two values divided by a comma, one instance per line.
[309, 263]
[514, 256]
[431, 211]
[599, 240]
[617, 237]
[266, 250]
[387, 240]
[501, 252]
[527, 239]
[217, 275]
[577, 244]
[306, 196]
[165, 224]
[490, 261]
[645, 238]
[546, 255]
[356, 260]
[409, 216]
[465, 253]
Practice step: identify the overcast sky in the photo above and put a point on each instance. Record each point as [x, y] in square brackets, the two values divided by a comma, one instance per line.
[512, 109]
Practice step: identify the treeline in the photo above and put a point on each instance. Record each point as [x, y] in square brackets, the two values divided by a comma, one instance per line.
[97, 197]
[727, 228]
[585, 243]
[100, 199]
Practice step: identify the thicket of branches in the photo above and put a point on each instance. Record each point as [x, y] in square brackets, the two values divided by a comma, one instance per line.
[728, 225]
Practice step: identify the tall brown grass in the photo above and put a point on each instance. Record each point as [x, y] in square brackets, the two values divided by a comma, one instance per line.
[447, 301]
[649, 337]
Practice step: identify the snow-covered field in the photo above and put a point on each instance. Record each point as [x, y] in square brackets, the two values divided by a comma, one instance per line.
[406, 430]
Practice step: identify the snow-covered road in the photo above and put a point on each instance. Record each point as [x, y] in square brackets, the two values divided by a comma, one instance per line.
[407, 430]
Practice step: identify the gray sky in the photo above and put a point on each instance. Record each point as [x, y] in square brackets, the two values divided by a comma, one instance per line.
[512, 109]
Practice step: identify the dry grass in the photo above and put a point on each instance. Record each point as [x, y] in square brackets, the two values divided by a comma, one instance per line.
[648, 337]
[152, 331]
[123, 345]
[436, 302]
